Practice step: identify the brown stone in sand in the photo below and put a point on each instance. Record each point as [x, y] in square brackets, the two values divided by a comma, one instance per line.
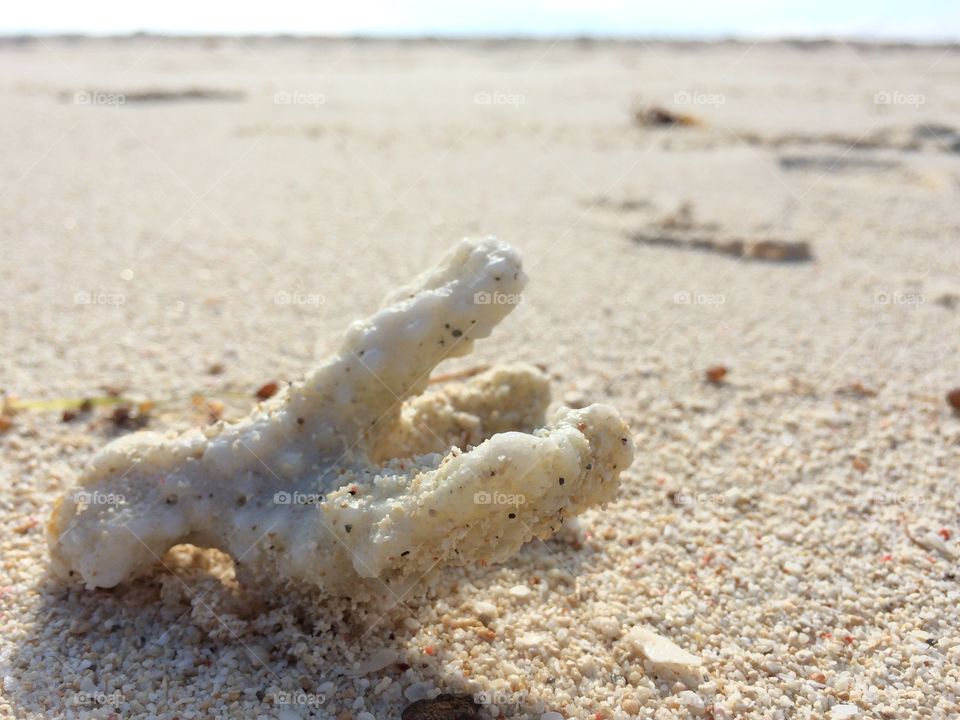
[267, 391]
[716, 374]
[442, 707]
[953, 398]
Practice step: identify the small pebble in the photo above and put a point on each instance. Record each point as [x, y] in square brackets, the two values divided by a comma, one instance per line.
[442, 707]
[418, 691]
[844, 711]
[690, 700]
[120, 415]
[485, 610]
[630, 706]
[267, 391]
[716, 374]
[953, 398]
[520, 591]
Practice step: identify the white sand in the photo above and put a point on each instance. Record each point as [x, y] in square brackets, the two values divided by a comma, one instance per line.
[800, 539]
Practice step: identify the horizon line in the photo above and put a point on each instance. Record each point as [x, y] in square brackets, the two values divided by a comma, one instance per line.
[688, 39]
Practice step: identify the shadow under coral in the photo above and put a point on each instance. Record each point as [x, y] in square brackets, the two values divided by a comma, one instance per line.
[188, 638]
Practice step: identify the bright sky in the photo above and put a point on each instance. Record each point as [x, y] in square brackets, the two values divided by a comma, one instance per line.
[895, 19]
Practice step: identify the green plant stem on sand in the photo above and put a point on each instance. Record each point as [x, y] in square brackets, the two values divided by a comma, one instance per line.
[14, 405]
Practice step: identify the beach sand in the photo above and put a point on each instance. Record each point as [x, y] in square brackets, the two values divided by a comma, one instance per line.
[200, 217]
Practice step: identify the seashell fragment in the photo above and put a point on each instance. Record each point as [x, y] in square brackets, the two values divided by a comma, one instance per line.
[660, 651]
[355, 474]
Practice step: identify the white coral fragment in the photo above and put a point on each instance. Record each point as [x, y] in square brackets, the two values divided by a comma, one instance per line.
[355, 472]
[660, 651]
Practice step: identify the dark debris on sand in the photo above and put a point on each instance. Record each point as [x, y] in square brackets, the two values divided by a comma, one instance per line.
[661, 117]
[442, 707]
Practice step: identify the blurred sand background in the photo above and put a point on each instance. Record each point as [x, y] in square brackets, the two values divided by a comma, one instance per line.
[171, 207]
